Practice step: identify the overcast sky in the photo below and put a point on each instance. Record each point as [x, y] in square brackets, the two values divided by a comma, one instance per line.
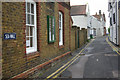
[94, 6]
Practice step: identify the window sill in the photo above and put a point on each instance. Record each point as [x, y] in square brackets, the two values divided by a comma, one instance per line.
[32, 55]
[62, 46]
[51, 42]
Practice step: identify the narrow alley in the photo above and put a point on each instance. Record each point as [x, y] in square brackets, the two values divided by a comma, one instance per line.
[59, 39]
[99, 61]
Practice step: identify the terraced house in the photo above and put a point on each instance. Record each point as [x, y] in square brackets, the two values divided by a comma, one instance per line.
[114, 21]
[119, 21]
[34, 34]
[99, 24]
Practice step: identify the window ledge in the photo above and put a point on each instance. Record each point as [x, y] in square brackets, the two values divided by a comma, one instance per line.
[62, 46]
[32, 55]
[51, 42]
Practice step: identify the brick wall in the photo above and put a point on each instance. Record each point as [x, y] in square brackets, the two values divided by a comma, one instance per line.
[84, 35]
[75, 32]
[15, 59]
[13, 51]
[0, 40]
[47, 50]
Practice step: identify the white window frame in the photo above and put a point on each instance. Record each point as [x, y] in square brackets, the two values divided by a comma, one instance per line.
[60, 30]
[34, 43]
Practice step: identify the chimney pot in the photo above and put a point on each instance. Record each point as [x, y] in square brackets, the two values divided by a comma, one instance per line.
[99, 12]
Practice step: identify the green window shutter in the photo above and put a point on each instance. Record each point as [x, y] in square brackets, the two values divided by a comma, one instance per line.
[51, 28]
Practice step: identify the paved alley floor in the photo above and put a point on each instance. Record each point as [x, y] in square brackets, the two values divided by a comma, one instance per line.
[100, 61]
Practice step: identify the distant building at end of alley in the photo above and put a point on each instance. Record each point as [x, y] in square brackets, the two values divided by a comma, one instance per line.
[95, 24]
[98, 23]
[81, 16]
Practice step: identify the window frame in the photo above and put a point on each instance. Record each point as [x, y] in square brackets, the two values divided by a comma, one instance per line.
[52, 31]
[61, 38]
[119, 4]
[34, 26]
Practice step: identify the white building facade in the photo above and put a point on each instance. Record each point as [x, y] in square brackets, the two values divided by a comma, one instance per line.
[113, 17]
[98, 24]
[81, 16]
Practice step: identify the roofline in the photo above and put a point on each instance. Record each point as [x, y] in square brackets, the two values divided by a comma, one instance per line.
[78, 14]
[71, 19]
[65, 5]
[78, 5]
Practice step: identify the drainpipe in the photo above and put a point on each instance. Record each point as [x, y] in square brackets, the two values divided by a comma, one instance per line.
[117, 23]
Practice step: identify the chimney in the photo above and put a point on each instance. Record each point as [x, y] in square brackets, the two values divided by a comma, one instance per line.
[96, 13]
[99, 12]
[103, 13]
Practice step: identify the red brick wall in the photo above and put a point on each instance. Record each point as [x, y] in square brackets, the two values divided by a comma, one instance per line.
[13, 51]
[0, 40]
[15, 59]
[82, 37]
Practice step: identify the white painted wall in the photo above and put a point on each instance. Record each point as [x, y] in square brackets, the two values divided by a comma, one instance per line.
[114, 27]
[98, 25]
[80, 21]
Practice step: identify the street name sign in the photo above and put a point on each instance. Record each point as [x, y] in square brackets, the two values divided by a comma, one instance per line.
[9, 36]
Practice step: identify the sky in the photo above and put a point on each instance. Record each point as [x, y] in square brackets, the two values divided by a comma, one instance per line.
[94, 6]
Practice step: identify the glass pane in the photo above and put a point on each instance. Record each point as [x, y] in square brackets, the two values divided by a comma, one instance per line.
[59, 17]
[31, 41]
[60, 25]
[28, 7]
[53, 25]
[28, 18]
[27, 38]
[27, 31]
[32, 19]
[32, 8]
[59, 35]
[50, 32]
[53, 37]
[27, 42]
[50, 36]
[31, 31]
[53, 29]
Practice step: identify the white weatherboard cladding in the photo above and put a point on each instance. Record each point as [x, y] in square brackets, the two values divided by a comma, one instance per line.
[98, 26]
[111, 34]
[114, 26]
[114, 35]
[80, 21]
